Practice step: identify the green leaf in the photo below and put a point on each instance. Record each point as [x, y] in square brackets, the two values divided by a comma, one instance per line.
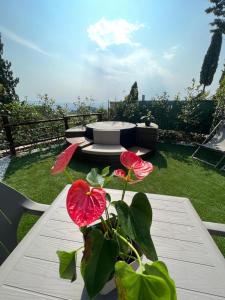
[139, 286]
[158, 268]
[98, 261]
[105, 171]
[94, 178]
[108, 179]
[136, 221]
[67, 265]
[108, 197]
[125, 250]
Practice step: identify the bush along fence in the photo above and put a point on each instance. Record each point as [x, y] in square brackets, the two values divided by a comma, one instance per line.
[187, 116]
[32, 133]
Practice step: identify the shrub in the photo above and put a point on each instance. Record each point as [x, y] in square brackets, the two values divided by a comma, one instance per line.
[180, 136]
[194, 114]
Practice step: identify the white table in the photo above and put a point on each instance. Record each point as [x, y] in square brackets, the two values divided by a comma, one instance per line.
[195, 263]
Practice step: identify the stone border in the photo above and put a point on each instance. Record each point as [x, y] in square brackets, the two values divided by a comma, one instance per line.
[4, 163]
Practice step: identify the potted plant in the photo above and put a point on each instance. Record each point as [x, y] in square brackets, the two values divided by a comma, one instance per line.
[148, 118]
[113, 242]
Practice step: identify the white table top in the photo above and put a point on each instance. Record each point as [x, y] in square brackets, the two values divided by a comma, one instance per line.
[181, 240]
[110, 125]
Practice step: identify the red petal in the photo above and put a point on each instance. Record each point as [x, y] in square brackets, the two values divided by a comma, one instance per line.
[85, 208]
[142, 169]
[128, 159]
[120, 173]
[63, 159]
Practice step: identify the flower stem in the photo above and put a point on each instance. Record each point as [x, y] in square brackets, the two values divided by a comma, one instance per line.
[128, 255]
[105, 225]
[108, 218]
[132, 248]
[125, 185]
[68, 176]
[124, 190]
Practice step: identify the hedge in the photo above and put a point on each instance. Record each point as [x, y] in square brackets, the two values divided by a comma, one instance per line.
[187, 116]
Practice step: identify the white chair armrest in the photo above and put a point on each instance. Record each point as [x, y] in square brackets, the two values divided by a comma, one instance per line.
[215, 228]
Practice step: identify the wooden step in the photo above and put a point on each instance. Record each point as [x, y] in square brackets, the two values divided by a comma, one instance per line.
[85, 141]
[99, 149]
[75, 131]
[140, 151]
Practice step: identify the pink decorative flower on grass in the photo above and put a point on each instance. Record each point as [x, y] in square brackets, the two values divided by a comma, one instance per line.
[84, 204]
[63, 159]
[135, 164]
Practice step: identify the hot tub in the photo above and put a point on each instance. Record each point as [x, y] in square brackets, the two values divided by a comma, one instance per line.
[112, 133]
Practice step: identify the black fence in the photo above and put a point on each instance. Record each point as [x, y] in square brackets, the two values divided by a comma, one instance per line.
[13, 136]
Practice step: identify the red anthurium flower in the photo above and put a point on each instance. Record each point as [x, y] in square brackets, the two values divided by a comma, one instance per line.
[63, 159]
[120, 173]
[134, 163]
[129, 159]
[85, 205]
[142, 169]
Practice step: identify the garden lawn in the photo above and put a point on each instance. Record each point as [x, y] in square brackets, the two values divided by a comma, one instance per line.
[175, 173]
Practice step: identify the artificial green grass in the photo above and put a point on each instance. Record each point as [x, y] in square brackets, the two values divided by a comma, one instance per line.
[175, 173]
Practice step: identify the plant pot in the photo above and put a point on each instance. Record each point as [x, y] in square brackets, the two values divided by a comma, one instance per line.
[111, 285]
[147, 123]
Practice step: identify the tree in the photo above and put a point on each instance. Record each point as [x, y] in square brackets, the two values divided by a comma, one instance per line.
[130, 113]
[212, 56]
[219, 97]
[7, 82]
[133, 96]
[191, 113]
[210, 62]
[218, 9]
[222, 74]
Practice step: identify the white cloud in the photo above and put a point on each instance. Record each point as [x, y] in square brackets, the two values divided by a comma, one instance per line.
[170, 53]
[115, 32]
[22, 41]
[139, 63]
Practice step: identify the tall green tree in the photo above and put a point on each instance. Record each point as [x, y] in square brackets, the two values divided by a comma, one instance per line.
[133, 96]
[7, 81]
[218, 9]
[211, 59]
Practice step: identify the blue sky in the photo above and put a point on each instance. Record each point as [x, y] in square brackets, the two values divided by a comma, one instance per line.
[99, 48]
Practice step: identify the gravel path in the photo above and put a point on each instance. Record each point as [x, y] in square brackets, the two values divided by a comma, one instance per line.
[4, 163]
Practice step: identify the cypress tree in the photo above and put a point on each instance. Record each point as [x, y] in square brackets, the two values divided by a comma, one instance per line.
[210, 62]
[7, 82]
[218, 9]
[133, 96]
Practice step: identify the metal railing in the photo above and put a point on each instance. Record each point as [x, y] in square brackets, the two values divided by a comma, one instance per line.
[14, 135]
